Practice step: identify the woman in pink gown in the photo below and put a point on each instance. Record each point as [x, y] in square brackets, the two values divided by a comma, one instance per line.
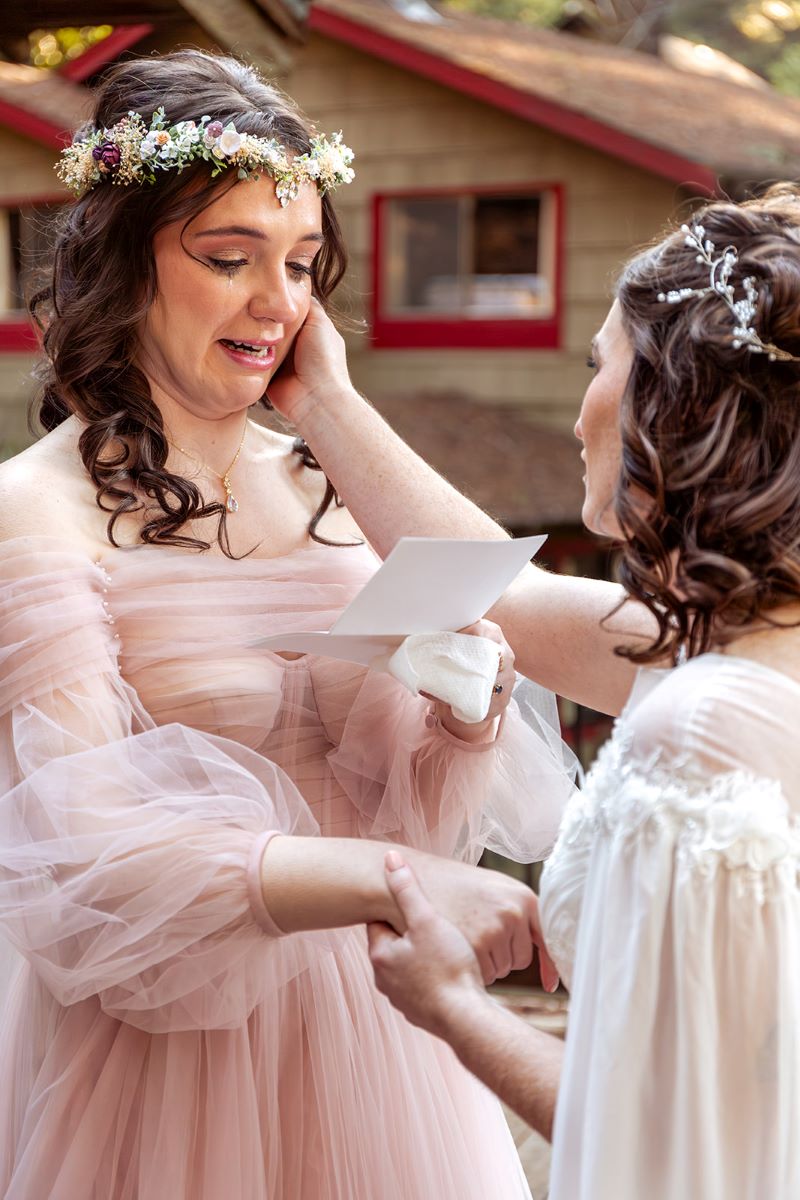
[191, 1012]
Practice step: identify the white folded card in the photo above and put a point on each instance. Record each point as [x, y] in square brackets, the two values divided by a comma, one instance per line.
[426, 585]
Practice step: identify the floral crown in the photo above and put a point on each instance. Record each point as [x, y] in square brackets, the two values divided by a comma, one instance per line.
[129, 152]
[743, 310]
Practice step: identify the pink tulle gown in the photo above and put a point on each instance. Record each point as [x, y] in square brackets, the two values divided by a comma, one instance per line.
[161, 1040]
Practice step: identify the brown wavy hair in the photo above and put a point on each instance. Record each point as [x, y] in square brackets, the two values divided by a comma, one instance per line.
[103, 281]
[708, 496]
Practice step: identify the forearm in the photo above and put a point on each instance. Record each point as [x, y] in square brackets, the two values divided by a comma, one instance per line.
[370, 460]
[326, 883]
[520, 1064]
[554, 623]
[559, 629]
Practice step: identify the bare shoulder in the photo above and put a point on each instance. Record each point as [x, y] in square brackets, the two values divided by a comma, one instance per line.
[308, 486]
[45, 490]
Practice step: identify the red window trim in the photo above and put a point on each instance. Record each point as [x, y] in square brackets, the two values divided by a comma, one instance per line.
[18, 337]
[529, 333]
[18, 334]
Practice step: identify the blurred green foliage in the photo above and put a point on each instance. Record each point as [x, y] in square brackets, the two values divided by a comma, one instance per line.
[532, 12]
[53, 47]
[784, 73]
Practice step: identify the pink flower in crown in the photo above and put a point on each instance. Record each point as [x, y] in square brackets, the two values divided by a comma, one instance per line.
[212, 132]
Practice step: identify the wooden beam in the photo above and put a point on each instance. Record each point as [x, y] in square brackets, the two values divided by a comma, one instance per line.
[281, 15]
[239, 27]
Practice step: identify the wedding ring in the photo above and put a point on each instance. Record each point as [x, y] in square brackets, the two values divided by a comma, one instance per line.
[497, 689]
[500, 665]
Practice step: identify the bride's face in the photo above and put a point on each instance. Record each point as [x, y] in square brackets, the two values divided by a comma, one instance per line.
[234, 288]
[598, 425]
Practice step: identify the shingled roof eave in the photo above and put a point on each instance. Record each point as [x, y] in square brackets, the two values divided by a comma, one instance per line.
[538, 110]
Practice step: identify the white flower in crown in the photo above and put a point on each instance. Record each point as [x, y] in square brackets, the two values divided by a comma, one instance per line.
[149, 146]
[230, 142]
[130, 152]
[186, 135]
[287, 190]
[166, 147]
[329, 162]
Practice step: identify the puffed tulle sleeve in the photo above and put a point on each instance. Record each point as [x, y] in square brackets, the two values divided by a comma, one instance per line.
[412, 782]
[128, 852]
[676, 894]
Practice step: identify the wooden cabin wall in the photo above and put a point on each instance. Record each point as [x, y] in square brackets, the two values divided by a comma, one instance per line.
[411, 132]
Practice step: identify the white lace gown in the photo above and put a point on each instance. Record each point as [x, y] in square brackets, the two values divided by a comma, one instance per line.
[671, 906]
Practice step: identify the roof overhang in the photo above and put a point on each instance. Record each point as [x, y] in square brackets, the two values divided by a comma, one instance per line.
[535, 109]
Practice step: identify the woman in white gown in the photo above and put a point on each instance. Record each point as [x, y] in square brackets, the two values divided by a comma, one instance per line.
[670, 903]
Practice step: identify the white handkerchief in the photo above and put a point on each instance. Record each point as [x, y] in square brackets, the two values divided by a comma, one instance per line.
[454, 667]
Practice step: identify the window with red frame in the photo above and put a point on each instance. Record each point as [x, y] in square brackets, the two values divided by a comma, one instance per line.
[26, 237]
[475, 268]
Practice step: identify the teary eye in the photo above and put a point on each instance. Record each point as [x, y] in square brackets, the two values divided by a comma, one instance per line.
[299, 270]
[229, 265]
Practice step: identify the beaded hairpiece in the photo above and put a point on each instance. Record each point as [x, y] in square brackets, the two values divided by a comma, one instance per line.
[129, 152]
[743, 310]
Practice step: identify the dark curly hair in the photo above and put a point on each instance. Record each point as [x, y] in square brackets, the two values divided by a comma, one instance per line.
[103, 281]
[708, 497]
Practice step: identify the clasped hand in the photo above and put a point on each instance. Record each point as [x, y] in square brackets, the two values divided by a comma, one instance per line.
[496, 915]
[444, 955]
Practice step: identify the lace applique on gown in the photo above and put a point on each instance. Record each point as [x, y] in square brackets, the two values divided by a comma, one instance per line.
[160, 1041]
[671, 905]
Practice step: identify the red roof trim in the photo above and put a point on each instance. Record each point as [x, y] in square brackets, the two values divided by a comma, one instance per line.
[30, 125]
[522, 104]
[105, 51]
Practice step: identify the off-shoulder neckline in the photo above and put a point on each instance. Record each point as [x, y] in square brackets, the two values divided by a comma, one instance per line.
[765, 668]
[730, 659]
[169, 551]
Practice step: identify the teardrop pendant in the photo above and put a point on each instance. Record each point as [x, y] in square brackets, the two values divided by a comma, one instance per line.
[231, 503]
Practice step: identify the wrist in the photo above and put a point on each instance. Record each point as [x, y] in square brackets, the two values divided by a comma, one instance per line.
[457, 1008]
[323, 405]
[475, 734]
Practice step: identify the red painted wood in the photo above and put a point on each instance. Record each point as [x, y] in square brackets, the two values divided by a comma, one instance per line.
[96, 57]
[439, 334]
[18, 337]
[390, 332]
[30, 125]
[529, 107]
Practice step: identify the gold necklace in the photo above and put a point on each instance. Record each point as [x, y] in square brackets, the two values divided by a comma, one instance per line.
[231, 503]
